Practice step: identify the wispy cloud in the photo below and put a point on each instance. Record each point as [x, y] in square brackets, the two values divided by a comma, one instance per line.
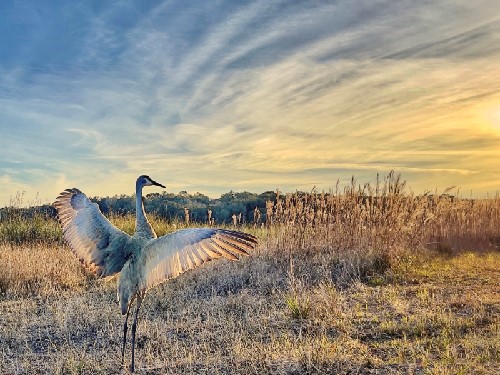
[216, 96]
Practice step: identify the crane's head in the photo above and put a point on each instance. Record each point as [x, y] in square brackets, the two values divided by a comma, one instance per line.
[147, 181]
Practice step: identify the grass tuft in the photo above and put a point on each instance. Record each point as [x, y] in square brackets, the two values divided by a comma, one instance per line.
[299, 307]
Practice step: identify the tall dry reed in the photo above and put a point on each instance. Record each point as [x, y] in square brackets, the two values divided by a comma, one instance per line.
[365, 227]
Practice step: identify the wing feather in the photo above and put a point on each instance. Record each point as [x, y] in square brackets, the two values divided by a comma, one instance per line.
[211, 252]
[222, 242]
[202, 254]
[99, 245]
[225, 253]
[239, 241]
[170, 255]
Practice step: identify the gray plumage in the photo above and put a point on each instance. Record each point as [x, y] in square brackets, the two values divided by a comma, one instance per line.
[143, 260]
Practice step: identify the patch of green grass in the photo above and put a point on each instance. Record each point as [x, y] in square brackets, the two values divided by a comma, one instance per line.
[38, 229]
[300, 307]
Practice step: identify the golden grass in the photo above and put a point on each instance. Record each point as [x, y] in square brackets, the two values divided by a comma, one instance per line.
[39, 270]
[433, 315]
[161, 226]
[383, 218]
[345, 282]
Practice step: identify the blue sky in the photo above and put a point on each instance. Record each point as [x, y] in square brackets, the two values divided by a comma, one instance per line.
[211, 96]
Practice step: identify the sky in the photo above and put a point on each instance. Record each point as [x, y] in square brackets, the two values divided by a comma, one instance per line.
[213, 96]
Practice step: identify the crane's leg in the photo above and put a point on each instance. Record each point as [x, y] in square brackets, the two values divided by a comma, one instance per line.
[125, 327]
[134, 326]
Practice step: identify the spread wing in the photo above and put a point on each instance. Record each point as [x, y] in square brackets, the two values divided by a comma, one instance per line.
[170, 255]
[99, 245]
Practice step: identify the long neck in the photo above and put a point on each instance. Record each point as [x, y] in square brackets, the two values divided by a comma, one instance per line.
[142, 226]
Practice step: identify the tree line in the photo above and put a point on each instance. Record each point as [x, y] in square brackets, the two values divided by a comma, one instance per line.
[197, 207]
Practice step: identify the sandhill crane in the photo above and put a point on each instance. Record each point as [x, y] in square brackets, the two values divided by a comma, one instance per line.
[143, 260]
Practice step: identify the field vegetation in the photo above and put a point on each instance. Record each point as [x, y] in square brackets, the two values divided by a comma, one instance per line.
[367, 279]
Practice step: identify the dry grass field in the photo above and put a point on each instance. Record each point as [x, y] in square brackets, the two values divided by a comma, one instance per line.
[367, 280]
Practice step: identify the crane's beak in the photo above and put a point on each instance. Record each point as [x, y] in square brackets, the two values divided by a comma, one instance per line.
[157, 184]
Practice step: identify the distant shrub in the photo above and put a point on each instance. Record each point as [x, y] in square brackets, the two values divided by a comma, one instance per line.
[34, 224]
